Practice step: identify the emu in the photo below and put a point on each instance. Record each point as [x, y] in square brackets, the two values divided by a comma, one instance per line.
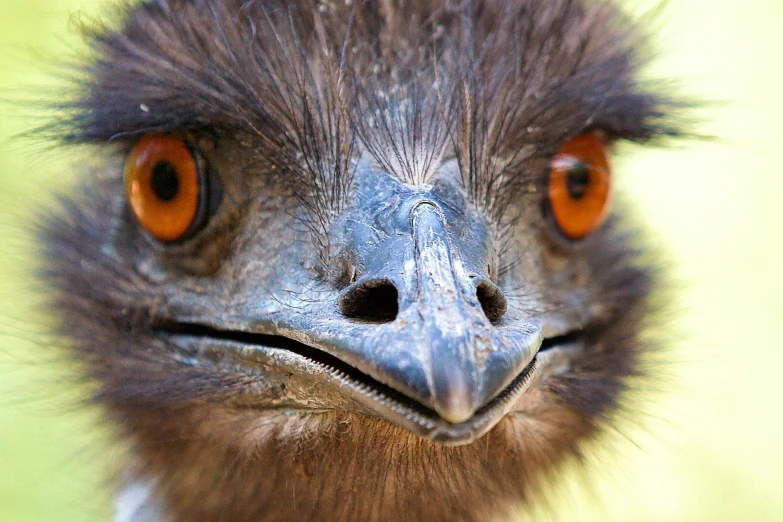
[353, 260]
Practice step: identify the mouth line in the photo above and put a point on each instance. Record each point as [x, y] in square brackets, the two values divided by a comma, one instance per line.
[384, 400]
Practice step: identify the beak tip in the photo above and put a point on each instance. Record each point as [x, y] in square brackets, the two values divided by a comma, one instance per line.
[457, 417]
[456, 408]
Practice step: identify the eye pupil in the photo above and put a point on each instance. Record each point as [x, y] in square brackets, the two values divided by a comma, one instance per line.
[578, 180]
[164, 181]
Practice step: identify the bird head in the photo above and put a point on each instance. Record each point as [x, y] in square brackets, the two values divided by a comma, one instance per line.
[383, 225]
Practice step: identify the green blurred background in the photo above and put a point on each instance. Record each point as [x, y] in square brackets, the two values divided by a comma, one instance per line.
[713, 446]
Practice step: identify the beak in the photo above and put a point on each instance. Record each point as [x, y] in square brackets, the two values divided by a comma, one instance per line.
[421, 337]
[423, 317]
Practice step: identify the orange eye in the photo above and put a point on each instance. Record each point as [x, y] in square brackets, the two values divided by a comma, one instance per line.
[580, 186]
[163, 186]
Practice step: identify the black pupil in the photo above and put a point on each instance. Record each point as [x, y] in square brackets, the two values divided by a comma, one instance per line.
[578, 180]
[164, 182]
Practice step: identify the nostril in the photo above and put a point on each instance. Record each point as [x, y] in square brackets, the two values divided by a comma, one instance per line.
[374, 300]
[492, 300]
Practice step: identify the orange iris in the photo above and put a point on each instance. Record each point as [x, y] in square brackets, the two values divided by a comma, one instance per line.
[162, 186]
[580, 186]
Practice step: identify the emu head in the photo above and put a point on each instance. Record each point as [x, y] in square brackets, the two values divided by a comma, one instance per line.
[353, 260]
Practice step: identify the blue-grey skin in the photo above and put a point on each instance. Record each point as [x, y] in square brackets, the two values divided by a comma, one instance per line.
[448, 366]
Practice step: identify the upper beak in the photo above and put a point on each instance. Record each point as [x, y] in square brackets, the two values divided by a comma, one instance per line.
[442, 339]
